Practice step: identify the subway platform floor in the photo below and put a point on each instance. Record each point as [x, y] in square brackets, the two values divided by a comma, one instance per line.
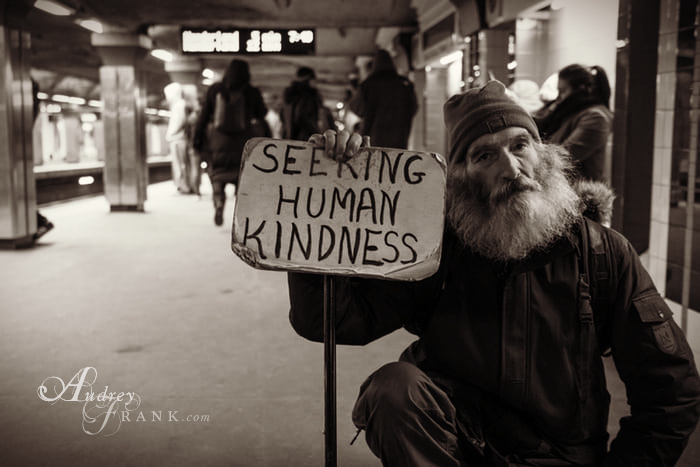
[154, 306]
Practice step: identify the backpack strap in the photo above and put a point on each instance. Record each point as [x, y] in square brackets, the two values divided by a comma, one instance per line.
[598, 268]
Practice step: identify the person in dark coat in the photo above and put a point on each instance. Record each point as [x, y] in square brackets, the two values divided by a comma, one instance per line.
[386, 102]
[580, 119]
[302, 104]
[507, 368]
[224, 148]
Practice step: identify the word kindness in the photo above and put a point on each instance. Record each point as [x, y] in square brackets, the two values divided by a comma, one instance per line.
[379, 214]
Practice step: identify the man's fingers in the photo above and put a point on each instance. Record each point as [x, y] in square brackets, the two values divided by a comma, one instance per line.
[329, 136]
[317, 140]
[353, 145]
[341, 145]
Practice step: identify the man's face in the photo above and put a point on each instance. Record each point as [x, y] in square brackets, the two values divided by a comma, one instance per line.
[500, 164]
[510, 195]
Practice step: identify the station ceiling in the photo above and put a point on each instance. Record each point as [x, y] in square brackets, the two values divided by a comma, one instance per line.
[64, 61]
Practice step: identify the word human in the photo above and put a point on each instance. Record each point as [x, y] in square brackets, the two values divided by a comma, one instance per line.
[297, 206]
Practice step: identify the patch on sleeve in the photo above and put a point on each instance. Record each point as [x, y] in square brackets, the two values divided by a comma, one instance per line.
[653, 311]
[665, 338]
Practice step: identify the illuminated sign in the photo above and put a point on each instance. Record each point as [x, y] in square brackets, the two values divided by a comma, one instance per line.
[248, 41]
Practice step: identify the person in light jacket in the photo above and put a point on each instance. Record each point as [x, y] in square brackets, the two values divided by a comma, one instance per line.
[580, 119]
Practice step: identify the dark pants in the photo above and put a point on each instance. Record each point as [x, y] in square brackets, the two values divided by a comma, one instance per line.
[411, 419]
[218, 187]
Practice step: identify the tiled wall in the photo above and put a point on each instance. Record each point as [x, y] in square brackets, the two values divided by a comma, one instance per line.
[673, 240]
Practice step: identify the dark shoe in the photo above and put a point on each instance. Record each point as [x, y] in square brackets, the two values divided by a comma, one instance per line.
[42, 230]
[219, 216]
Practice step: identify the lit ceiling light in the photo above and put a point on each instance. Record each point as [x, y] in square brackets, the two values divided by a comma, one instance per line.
[86, 180]
[557, 5]
[88, 117]
[53, 8]
[68, 99]
[60, 98]
[161, 54]
[452, 57]
[208, 73]
[91, 25]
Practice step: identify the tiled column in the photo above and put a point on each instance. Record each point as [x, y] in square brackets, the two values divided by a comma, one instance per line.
[123, 95]
[494, 51]
[666, 81]
[17, 184]
[634, 125]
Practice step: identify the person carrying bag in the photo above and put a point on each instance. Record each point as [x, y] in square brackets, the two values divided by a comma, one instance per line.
[233, 112]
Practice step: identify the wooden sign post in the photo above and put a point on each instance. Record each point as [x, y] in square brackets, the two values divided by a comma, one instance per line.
[380, 214]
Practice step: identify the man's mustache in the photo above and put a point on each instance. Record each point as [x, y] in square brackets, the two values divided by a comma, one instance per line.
[512, 187]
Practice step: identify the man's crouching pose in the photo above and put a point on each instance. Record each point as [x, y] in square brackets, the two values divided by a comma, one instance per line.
[507, 369]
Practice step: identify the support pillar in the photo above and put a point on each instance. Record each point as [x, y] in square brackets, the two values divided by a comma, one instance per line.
[18, 219]
[123, 92]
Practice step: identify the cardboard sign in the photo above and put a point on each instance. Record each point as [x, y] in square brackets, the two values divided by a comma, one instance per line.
[380, 214]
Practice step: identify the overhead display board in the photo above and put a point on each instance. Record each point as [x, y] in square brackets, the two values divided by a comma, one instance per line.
[248, 41]
[379, 214]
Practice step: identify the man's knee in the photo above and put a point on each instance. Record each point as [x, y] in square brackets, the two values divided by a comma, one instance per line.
[409, 420]
[398, 389]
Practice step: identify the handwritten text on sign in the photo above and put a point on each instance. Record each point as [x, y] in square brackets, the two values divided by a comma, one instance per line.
[380, 214]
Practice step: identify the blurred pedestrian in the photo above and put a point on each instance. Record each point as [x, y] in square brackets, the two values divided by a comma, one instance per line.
[236, 111]
[302, 103]
[43, 225]
[526, 93]
[176, 135]
[273, 117]
[580, 118]
[193, 161]
[386, 102]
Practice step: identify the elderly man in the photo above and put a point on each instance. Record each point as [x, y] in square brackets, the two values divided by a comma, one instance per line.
[507, 369]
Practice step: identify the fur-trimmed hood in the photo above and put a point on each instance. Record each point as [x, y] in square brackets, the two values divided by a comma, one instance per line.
[596, 200]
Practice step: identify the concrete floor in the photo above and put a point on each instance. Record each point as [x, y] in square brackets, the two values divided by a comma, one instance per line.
[156, 304]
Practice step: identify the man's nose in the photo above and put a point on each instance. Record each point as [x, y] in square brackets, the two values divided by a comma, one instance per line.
[511, 166]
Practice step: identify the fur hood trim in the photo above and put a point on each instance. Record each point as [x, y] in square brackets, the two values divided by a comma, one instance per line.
[596, 200]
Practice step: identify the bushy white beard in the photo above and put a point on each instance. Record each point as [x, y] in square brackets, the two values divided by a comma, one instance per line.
[519, 217]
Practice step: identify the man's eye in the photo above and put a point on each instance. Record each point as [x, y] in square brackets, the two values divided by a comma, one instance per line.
[483, 157]
[520, 146]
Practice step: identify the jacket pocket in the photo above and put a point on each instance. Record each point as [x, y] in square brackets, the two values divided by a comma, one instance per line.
[654, 312]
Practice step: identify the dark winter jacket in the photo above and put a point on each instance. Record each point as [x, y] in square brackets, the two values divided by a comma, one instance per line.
[583, 126]
[523, 334]
[223, 151]
[300, 114]
[386, 102]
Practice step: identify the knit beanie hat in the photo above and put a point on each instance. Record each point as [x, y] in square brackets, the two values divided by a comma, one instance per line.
[479, 111]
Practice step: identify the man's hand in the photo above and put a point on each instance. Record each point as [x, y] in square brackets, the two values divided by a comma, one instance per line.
[339, 145]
